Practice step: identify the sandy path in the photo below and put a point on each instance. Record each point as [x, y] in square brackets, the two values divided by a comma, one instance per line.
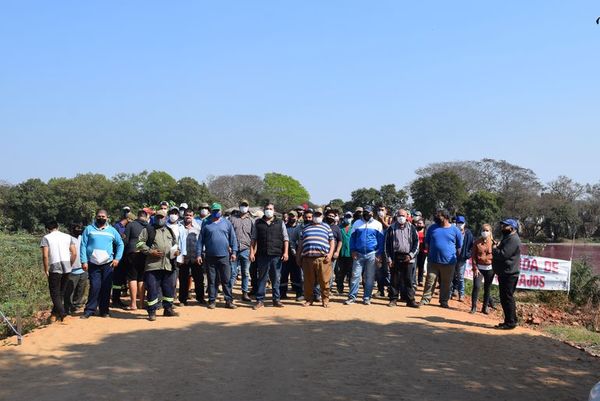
[352, 352]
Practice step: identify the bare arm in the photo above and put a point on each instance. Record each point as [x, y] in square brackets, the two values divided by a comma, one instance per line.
[45, 260]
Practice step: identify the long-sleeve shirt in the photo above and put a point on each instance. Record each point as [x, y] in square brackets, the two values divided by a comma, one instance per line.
[188, 238]
[98, 245]
[507, 255]
[367, 237]
[217, 238]
[401, 239]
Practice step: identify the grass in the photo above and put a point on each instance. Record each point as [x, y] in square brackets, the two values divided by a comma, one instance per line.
[23, 285]
[581, 336]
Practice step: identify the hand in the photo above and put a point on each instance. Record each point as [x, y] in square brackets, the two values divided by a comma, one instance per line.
[406, 258]
[84, 266]
[336, 255]
[114, 263]
[199, 260]
[176, 253]
[328, 258]
[355, 255]
[46, 273]
[156, 253]
[233, 258]
[252, 257]
[475, 272]
[285, 257]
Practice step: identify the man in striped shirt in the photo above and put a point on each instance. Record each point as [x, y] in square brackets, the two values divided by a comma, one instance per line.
[315, 252]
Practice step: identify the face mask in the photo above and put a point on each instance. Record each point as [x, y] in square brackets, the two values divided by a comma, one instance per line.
[419, 228]
[381, 213]
[437, 220]
[161, 222]
[216, 214]
[460, 225]
[367, 216]
[181, 213]
[291, 221]
[485, 234]
[203, 212]
[173, 218]
[330, 220]
[77, 233]
[100, 222]
[317, 220]
[506, 230]
[269, 213]
[347, 220]
[401, 219]
[244, 209]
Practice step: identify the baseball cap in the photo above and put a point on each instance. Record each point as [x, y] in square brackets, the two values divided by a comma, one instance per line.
[183, 206]
[244, 202]
[348, 214]
[174, 209]
[163, 203]
[318, 211]
[368, 209]
[204, 205]
[161, 213]
[215, 206]
[292, 213]
[510, 222]
[460, 219]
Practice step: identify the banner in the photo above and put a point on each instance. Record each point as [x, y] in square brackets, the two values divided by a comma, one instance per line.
[538, 273]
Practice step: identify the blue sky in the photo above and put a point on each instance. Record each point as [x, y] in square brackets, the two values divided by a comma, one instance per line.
[339, 94]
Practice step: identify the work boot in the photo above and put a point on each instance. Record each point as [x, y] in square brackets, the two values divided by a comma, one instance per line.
[152, 316]
[246, 297]
[230, 305]
[278, 304]
[413, 304]
[393, 303]
[473, 309]
[170, 312]
[484, 310]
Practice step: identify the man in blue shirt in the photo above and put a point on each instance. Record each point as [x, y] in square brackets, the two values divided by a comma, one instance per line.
[219, 242]
[444, 241]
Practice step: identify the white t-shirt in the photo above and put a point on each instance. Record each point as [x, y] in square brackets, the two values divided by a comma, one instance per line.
[59, 253]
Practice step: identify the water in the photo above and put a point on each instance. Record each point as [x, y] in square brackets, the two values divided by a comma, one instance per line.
[563, 251]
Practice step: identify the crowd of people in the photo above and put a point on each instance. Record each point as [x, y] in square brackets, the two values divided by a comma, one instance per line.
[158, 255]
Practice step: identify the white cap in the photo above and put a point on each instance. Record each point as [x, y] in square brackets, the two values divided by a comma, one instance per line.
[183, 206]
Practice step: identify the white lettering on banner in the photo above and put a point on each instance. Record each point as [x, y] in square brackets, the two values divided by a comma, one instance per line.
[538, 273]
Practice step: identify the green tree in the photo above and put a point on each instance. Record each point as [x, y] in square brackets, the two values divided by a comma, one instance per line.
[482, 207]
[158, 186]
[30, 204]
[284, 191]
[444, 189]
[190, 191]
[337, 204]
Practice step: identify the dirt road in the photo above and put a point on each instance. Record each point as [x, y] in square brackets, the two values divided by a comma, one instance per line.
[351, 352]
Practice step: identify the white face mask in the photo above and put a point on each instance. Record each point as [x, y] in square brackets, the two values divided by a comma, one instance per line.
[381, 213]
[203, 212]
[318, 220]
[485, 234]
[401, 219]
[173, 218]
[460, 225]
[244, 209]
[269, 213]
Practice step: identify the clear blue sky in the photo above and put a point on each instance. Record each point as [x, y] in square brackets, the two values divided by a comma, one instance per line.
[339, 94]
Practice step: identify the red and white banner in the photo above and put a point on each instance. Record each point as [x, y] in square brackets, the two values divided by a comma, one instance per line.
[538, 273]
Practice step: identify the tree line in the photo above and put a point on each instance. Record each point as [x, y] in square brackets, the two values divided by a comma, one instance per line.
[484, 191]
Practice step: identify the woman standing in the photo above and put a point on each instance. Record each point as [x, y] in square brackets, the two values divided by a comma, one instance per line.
[482, 268]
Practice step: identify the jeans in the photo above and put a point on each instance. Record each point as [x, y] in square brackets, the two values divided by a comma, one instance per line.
[221, 267]
[268, 267]
[402, 272]
[366, 264]
[290, 270]
[185, 269]
[100, 285]
[445, 273]
[242, 264]
[507, 286]
[458, 283]
[156, 282]
[57, 282]
[74, 291]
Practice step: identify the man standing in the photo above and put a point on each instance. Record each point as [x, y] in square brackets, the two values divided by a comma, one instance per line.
[98, 244]
[218, 239]
[176, 228]
[270, 248]
[401, 247]
[314, 253]
[243, 224]
[506, 262]
[157, 241]
[366, 245]
[290, 269]
[458, 283]
[444, 241]
[344, 265]
[58, 254]
[75, 289]
[136, 260]
[187, 244]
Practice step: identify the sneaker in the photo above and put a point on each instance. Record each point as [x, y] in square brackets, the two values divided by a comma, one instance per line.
[230, 305]
[349, 301]
[152, 316]
[278, 304]
[366, 302]
[423, 302]
[85, 316]
[473, 310]
[299, 298]
[105, 314]
[392, 304]
[170, 312]
[258, 305]
[413, 304]
[212, 305]
[246, 297]
[444, 305]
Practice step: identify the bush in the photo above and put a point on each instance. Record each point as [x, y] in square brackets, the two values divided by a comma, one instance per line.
[23, 285]
[585, 285]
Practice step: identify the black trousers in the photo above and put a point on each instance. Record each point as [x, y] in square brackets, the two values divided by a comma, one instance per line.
[57, 283]
[253, 277]
[421, 256]
[197, 273]
[401, 273]
[485, 277]
[343, 272]
[508, 285]
[119, 278]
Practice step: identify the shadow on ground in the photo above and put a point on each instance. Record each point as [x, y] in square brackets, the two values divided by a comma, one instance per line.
[307, 360]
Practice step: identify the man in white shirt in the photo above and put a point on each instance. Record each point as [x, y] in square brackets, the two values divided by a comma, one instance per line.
[58, 254]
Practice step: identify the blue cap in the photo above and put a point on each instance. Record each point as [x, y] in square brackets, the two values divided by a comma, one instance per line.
[460, 219]
[368, 209]
[510, 222]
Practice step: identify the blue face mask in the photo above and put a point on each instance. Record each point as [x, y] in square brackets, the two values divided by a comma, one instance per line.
[216, 214]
